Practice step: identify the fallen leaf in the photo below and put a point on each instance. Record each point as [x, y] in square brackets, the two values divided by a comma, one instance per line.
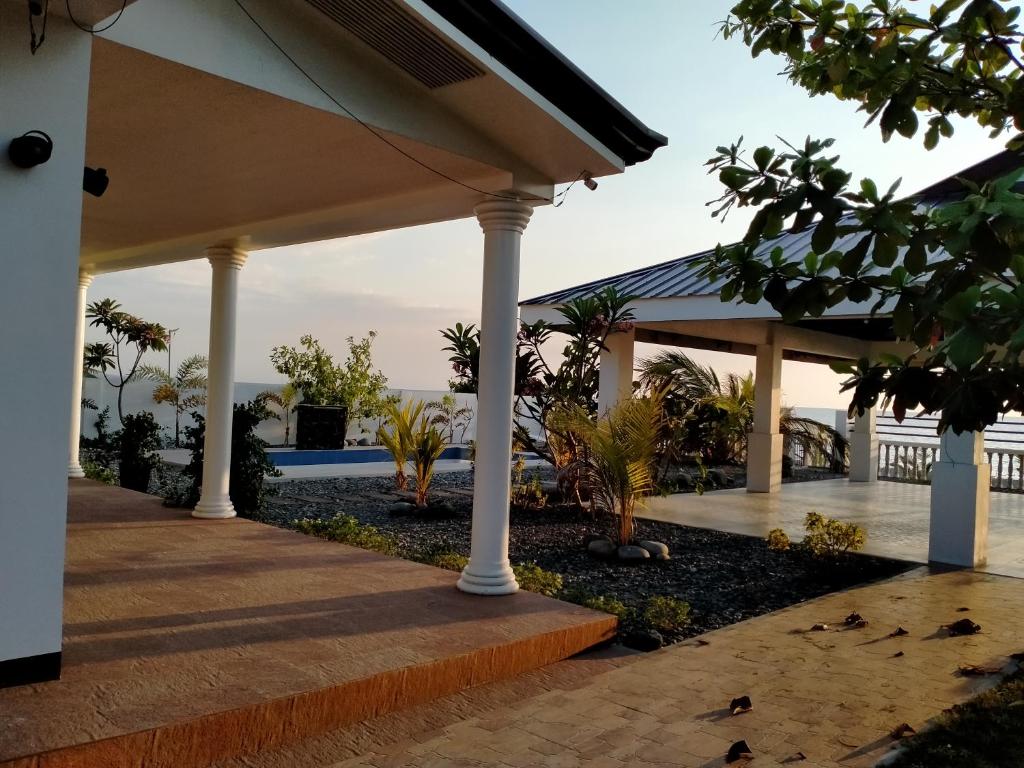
[902, 730]
[899, 632]
[962, 610]
[738, 751]
[853, 619]
[897, 654]
[819, 628]
[963, 627]
[970, 670]
[740, 705]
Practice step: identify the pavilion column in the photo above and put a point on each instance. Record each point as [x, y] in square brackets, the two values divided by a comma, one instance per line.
[615, 375]
[958, 533]
[488, 571]
[864, 448]
[214, 498]
[764, 444]
[74, 466]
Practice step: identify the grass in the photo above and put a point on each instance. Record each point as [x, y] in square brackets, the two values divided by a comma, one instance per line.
[985, 732]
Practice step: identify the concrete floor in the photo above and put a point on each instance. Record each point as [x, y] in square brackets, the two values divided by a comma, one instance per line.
[190, 641]
[895, 516]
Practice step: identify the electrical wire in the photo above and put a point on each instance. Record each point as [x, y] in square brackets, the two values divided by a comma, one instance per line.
[94, 30]
[557, 199]
[37, 43]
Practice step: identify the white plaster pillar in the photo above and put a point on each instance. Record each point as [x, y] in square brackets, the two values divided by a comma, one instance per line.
[214, 501]
[74, 466]
[488, 571]
[864, 448]
[615, 374]
[764, 444]
[958, 532]
[40, 244]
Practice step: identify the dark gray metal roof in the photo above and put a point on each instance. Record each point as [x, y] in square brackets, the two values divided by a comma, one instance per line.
[681, 278]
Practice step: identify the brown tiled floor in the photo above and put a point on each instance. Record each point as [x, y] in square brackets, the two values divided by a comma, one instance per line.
[833, 696]
[238, 634]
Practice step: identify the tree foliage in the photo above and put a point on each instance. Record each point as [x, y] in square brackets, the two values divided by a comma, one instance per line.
[130, 338]
[185, 390]
[948, 271]
[354, 384]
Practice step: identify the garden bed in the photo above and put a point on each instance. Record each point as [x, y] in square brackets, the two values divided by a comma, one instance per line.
[724, 577]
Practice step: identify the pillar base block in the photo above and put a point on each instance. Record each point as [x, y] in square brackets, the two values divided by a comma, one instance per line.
[863, 457]
[958, 534]
[764, 462]
[495, 581]
[75, 470]
[215, 510]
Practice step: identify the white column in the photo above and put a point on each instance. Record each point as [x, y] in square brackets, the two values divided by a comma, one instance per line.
[764, 444]
[74, 466]
[958, 533]
[214, 501]
[864, 448]
[615, 375]
[488, 571]
[40, 244]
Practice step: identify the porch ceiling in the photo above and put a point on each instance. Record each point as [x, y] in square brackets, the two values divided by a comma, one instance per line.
[194, 158]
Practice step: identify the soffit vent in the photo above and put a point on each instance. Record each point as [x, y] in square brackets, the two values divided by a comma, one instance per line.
[395, 34]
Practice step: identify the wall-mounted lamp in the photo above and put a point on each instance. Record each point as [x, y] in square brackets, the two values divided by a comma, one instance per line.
[30, 149]
[589, 182]
[95, 181]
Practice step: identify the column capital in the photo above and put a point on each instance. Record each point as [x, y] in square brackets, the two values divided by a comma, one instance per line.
[84, 279]
[508, 215]
[227, 255]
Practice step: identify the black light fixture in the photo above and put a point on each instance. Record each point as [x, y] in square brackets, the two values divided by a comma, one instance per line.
[95, 181]
[589, 181]
[30, 149]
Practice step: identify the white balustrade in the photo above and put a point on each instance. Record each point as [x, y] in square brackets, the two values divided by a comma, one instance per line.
[912, 462]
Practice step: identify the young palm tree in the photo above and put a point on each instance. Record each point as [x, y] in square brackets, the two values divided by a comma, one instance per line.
[399, 440]
[427, 446]
[285, 400]
[713, 418]
[618, 466]
[185, 390]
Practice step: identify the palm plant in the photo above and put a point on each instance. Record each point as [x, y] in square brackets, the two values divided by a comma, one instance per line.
[427, 446]
[618, 465]
[712, 418]
[286, 401]
[399, 440]
[185, 390]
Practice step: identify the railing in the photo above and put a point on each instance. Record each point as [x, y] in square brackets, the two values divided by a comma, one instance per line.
[912, 462]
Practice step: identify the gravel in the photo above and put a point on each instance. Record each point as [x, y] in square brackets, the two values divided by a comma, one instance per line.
[724, 577]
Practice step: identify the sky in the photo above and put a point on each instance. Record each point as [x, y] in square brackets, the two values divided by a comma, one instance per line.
[662, 61]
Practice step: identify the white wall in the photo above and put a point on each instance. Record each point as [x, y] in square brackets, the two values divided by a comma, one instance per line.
[139, 397]
[40, 215]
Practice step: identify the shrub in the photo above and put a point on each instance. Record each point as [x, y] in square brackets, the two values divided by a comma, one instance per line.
[778, 541]
[831, 538]
[442, 557]
[102, 449]
[603, 603]
[666, 614]
[533, 578]
[249, 461]
[526, 494]
[94, 471]
[345, 529]
[138, 442]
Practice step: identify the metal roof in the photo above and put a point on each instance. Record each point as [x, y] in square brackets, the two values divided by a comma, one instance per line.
[681, 278]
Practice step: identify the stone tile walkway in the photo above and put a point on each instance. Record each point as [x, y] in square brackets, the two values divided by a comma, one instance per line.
[832, 696]
[895, 515]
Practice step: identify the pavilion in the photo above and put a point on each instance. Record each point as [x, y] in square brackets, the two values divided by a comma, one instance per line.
[675, 304]
[226, 126]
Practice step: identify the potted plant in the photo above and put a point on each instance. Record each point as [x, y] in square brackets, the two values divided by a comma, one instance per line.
[330, 392]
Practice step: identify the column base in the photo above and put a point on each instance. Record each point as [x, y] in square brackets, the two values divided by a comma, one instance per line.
[764, 462]
[497, 581]
[863, 457]
[958, 530]
[214, 510]
[75, 470]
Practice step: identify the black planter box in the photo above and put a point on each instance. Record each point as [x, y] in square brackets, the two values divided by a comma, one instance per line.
[320, 427]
